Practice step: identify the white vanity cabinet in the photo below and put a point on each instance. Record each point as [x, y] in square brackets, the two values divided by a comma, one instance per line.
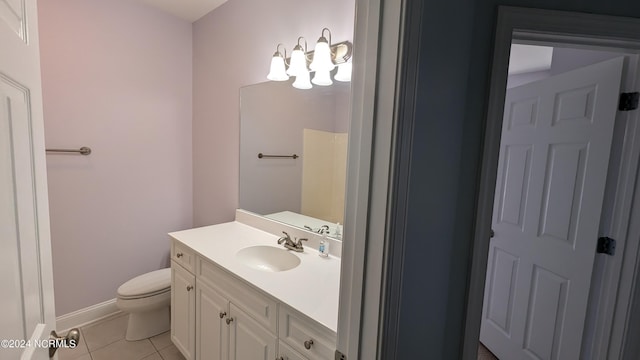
[215, 316]
[219, 312]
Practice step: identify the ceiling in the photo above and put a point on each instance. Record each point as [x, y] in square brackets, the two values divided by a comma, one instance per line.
[529, 58]
[189, 10]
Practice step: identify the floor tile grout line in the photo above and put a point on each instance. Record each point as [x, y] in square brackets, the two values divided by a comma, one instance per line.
[154, 345]
[162, 348]
[103, 346]
[84, 328]
[83, 340]
[91, 352]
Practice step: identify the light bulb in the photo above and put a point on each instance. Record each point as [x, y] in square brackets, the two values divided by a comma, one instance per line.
[298, 62]
[277, 71]
[344, 72]
[322, 78]
[302, 80]
[322, 56]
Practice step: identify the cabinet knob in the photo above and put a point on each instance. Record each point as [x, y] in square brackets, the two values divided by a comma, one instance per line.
[223, 314]
[189, 287]
[229, 320]
[308, 344]
[179, 255]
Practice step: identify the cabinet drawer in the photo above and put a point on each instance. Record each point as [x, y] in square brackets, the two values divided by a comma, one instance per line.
[260, 307]
[183, 255]
[285, 352]
[300, 332]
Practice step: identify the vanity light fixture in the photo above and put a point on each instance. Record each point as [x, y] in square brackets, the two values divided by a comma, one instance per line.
[322, 60]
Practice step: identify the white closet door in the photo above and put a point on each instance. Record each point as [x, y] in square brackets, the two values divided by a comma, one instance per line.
[554, 154]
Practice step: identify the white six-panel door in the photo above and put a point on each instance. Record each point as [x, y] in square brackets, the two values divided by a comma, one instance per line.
[552, 169]
[26, 299]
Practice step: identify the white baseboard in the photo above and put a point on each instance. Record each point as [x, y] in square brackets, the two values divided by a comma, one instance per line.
[87, 315]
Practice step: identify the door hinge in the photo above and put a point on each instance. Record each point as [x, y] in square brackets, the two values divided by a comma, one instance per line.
[606, 245]
[629, 101]
[340, 356]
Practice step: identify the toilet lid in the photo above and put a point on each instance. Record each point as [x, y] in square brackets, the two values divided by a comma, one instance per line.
[148, 284]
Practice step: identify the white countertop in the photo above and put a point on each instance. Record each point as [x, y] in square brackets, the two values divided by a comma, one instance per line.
[312, 287]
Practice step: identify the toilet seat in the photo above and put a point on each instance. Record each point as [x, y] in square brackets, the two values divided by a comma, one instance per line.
[146, 285]
[142, 296]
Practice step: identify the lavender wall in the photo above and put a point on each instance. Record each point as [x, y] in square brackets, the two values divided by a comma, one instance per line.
[232, 47]
[116, 76]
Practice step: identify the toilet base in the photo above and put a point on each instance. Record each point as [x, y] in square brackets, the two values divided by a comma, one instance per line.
[143, 325]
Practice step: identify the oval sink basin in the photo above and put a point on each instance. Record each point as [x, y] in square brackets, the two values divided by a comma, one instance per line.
[268, 258]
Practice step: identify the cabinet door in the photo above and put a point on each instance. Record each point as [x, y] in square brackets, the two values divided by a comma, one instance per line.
[212, 332]
[248, 340]
[183, 315]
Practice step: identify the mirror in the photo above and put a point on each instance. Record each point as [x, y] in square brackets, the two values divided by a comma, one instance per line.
[277, 120]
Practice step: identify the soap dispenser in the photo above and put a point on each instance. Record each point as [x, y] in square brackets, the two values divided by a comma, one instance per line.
[323, 249]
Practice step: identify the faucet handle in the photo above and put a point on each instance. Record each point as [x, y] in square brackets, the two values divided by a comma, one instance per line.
[285, 238]
[298, 243]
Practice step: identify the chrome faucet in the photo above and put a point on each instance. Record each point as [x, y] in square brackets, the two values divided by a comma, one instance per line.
[295, 245]
[324, 229]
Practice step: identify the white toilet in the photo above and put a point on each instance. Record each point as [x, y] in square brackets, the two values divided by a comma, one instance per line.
[147, 299]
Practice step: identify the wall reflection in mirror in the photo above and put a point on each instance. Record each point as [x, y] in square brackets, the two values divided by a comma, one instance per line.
[277, 119]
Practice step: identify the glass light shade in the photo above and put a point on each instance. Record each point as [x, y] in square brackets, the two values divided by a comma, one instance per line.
[322, 57]
[298, 62]
[344, 72]
[277, 71]
[322, 78]
[302, 80]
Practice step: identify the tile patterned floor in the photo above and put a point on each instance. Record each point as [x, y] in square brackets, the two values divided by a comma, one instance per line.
[104, 340]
